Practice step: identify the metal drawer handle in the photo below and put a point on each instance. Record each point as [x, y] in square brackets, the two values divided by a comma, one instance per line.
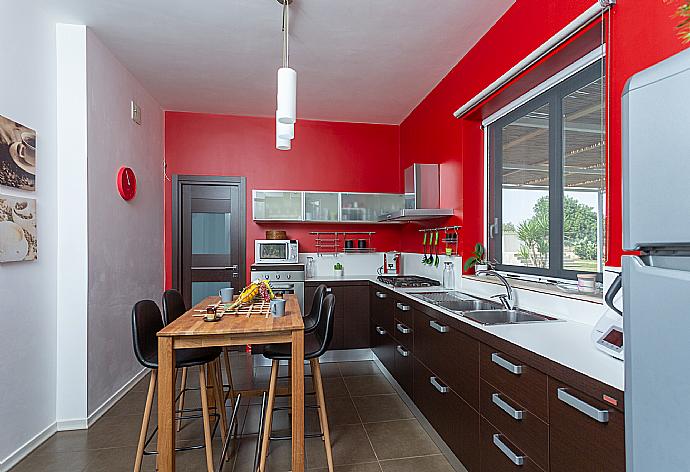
[402, 307]
[380, 330]
[438, 385]
[402, 351]
[503, 405]
[403, 328]
[509, 366]
[438, 326]
[514, 458]
[602, 416]
[381, 295]
[329, 290]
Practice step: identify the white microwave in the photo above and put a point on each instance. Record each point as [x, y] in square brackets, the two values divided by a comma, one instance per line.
[276, 251]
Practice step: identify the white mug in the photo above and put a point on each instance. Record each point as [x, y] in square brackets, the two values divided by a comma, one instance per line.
[226, 294]
[278, 307]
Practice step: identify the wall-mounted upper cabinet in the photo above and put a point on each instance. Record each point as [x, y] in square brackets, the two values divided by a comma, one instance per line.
[324, 207]
[272, 205]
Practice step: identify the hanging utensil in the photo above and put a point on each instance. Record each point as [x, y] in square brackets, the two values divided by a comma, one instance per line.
[436, 250]
[424, 246]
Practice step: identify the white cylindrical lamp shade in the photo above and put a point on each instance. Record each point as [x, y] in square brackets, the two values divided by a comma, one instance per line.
[283, 144]
[283, 130]
[287, 95]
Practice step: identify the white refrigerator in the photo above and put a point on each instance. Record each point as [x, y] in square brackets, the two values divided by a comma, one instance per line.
[656, 295]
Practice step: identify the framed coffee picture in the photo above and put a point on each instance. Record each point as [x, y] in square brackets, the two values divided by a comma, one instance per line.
[17, 155]
[18, 236]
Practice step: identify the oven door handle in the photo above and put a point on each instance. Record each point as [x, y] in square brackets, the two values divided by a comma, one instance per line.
[275, 286]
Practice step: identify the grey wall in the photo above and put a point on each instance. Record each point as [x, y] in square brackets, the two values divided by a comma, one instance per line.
[125, 238]
[28, 289]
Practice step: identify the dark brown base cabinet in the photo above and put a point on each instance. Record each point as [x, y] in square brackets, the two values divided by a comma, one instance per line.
[497, 406]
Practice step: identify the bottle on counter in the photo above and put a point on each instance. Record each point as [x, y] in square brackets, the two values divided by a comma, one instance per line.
[311, 267]
[448, 275]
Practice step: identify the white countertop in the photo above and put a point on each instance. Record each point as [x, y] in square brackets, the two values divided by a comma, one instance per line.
[565, 342]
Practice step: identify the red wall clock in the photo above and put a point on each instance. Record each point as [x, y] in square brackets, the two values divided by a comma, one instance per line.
[126, 183]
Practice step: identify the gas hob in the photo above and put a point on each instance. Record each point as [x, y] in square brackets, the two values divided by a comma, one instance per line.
[408, 281]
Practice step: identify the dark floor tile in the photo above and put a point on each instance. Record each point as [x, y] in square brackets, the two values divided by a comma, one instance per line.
[280, 455]
[55, 462]
[418, 464]
[351, 445]
[376, 408]
[282, 421]
[368, 467]
[64, 441]
[334, 387]
[133, 403]
[400, 439]
[341, 411]
[351, 369]
[328, 369]
[368, 385]
[117, 431]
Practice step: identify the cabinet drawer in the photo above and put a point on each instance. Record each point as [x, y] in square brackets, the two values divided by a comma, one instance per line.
[522, 383]
[381, 308]
[450, 354]
[586, 435]
[403, 333]
[403, 311]
[356, 327]
[383, 346]
[403, 368]
[498, 454]
[454, 420]
[521, 427]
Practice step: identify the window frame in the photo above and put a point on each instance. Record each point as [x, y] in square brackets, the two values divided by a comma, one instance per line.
[553, 96]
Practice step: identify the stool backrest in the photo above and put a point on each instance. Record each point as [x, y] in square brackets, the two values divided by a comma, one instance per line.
[317, 304]
[173, 306]
[324, 329]
[146, 322]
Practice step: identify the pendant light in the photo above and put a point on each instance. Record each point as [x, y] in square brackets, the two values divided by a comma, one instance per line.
[286, 113]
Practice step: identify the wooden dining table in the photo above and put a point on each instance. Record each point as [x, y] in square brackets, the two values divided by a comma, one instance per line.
[189, 331]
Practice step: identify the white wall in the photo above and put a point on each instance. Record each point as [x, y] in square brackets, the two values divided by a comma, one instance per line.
[125, 238]
[27, 289]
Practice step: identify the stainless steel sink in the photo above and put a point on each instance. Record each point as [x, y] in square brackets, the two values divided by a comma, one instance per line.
[496, 317]
[455, 301]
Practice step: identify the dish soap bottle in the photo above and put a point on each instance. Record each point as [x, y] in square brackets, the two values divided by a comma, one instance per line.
[448, 275]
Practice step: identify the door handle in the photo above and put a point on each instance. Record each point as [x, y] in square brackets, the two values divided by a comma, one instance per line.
[381, 295]
[438, 326]
[438, 385]
[403, 307]
[403, 328]
[329, 290]
[514, 458]
[503, 405]
[402, 351]
[234, 267]
[602, 416]
[380, 330]
[493, 229]
[509, 366]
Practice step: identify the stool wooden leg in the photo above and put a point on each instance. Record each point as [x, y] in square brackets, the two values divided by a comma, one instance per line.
[220, 398]
[183, 385]
[207, 421]
[269, 415]
[228, 373]
[145, 420]
[320, 398]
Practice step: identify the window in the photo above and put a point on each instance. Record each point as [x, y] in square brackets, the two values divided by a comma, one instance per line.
[547, 180]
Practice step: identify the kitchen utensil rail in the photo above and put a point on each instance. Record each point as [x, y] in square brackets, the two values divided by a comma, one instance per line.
[440, 228]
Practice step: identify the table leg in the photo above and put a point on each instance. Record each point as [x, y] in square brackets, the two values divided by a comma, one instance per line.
[298, 401]
[166, 404]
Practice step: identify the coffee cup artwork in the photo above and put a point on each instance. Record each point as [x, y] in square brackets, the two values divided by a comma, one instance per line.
[18, 240]
[278, 307]
[17, 155]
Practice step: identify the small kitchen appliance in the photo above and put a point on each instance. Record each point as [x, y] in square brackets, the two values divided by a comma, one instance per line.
[276, 251]
[607, 334]
[391, 263]
[284, 279]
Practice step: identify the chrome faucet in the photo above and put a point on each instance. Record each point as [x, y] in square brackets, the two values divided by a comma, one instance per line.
[507, 300]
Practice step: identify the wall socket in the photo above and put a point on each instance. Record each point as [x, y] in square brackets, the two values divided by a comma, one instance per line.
[136, 113]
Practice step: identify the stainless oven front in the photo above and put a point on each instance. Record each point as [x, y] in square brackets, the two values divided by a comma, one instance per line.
[284, 279]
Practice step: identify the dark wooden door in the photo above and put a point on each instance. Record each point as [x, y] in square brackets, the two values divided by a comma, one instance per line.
[208, 235]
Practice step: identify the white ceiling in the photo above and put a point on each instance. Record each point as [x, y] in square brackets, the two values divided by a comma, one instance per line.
[357, 60]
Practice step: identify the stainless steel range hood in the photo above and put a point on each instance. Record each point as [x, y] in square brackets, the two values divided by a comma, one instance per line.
[422, 196]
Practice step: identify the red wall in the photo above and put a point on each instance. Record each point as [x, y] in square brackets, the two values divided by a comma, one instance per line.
[642, 32]
[325, 156]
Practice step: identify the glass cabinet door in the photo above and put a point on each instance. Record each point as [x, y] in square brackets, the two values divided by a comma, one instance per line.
[321, 206]
[369, 206]
[279, 206]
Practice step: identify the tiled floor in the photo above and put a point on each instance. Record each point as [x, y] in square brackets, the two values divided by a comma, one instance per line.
[372, 430]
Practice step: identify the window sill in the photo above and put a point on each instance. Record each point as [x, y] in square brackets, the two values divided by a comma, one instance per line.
[541, 287]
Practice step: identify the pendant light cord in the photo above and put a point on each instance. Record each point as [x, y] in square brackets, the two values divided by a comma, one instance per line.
[286, 30]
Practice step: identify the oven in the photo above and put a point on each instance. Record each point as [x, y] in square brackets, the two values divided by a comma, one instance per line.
[284, 279]
[276, 251]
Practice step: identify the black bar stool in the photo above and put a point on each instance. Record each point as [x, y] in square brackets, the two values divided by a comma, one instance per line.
[173, 308]
[312, 318]
[146, 322]
[318, 340]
